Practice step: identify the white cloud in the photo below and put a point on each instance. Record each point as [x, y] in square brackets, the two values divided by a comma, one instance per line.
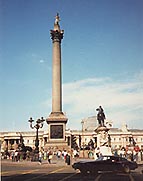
[122, 100]
[41, 61]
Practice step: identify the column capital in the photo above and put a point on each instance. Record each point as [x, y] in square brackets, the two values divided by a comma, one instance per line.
[56, 35]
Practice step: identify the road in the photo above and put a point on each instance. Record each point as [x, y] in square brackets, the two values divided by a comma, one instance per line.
[58, 171]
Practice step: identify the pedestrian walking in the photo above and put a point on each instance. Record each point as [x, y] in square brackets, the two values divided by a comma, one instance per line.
[40, 157]
[59, 153]
[45, 155]
[12, 156]
[16, 155]
[50, 156]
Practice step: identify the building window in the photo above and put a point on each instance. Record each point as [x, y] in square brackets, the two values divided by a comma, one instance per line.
[11, 141]
[27, 141]
[114, 139]
[45, 139]
[17, 141]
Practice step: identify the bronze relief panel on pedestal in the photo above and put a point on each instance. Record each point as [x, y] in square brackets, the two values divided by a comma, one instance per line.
[56, 132]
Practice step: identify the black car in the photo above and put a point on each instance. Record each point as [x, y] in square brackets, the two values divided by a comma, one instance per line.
[105, 163]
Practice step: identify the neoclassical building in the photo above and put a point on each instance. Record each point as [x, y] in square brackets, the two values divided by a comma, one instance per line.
[120, 137]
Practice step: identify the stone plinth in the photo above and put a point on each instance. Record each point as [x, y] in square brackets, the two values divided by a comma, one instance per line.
[57, 125]
[102, 136]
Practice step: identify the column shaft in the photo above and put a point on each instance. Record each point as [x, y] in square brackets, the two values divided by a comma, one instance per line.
[57, 80]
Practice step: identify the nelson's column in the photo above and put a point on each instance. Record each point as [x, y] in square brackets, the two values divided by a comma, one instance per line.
[57, 120]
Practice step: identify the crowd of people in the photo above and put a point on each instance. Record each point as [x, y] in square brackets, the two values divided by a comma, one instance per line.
[16, 155]
[42, 156]
[59, 154]
[67, 155]
[131, 154]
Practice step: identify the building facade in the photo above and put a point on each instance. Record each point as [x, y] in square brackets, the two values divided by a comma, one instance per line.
[119, 137]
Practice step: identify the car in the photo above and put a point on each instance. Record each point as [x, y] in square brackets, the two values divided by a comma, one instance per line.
[105, 163]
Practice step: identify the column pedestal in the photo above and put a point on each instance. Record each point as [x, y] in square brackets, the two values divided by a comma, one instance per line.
[56, 129]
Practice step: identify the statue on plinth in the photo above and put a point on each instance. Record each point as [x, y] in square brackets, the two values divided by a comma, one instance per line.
[100, 116]
[103, 138]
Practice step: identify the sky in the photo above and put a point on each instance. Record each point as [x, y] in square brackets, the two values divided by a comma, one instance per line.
[102, 61]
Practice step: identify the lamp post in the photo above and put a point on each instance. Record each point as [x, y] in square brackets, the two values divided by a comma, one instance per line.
[39, 124]
[82, 123]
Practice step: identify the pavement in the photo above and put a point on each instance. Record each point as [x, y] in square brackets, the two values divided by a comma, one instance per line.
[54, 162]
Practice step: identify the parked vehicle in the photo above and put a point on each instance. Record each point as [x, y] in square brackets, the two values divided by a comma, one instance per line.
[105, 163]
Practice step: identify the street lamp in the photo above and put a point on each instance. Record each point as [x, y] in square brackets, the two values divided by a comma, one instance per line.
[39, 124]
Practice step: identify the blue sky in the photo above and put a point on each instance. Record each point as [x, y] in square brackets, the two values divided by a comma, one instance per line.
[102, 60]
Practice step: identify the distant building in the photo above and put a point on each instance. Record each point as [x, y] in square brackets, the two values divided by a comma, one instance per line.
[120, 137]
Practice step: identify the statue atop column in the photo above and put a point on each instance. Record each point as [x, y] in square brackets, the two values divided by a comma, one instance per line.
[57, 33]
[57, 19]
[100, 116]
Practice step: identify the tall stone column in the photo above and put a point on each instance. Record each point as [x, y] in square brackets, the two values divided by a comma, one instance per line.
[57, 36]
[57, 120]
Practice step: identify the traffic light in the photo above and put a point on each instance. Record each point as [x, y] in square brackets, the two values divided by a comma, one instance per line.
[79, 140]
[68, 140]
[73, 142]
